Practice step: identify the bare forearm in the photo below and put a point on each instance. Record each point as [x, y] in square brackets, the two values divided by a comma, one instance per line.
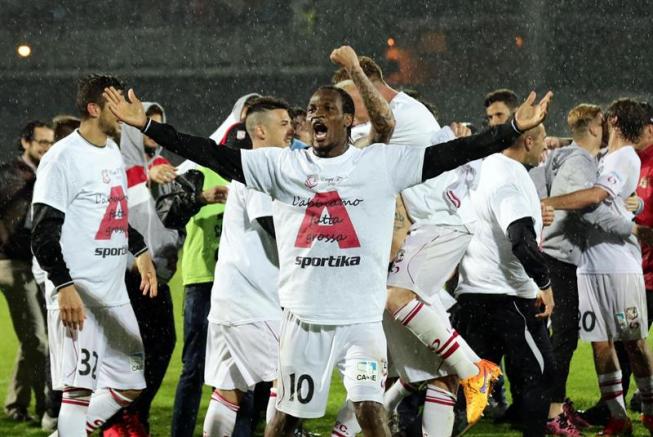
[383, 122]
[401, 227]
[577, 200]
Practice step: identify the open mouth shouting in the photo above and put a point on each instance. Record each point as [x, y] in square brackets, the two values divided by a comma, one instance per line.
[320, 130]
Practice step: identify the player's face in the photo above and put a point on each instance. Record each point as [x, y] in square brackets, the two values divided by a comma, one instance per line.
[279, 128]
[108, 123]
[497, 113]
[148, 142]
[328, 123]
[42, 140]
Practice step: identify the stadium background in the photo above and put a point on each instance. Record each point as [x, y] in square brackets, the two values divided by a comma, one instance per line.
[196, 57]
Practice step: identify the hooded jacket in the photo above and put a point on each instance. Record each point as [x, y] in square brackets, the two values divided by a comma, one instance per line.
[566, 170]
[163, 243]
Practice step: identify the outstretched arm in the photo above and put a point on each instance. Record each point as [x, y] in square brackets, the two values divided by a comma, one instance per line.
[383, 122]
[204, 151]
[447, 156]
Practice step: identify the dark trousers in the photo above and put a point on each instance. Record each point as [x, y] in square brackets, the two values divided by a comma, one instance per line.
[624, 361]
[197, 303]
[496, 325]
[157, 325]
[564, 322]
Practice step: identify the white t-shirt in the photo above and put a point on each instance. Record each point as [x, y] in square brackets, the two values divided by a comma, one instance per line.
[334, 219]
[505, 193]
[428, 203]
[89, 185]
[246, 275]
[605, 253]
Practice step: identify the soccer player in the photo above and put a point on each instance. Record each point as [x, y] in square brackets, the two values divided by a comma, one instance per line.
[81, 238]
[612, 298]
[441, 217]
[503, 272]
[334, 211]
[243, 334]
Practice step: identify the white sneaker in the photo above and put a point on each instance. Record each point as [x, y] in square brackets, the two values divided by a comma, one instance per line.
[49, 423]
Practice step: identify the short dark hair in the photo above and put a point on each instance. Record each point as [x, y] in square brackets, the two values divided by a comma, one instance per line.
[27, 132]
[297, 111]
[154, 109]
[90, 89]
[370, 68]
[64, 125]
[648, 112]
[266, 103]
[629, 117]
[502, 95]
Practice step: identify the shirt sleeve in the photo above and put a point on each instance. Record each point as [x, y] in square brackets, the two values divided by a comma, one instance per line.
[258, 205]
[53, 184]
[509, 204]
[613, 176]
[260, 168]
[403, 166]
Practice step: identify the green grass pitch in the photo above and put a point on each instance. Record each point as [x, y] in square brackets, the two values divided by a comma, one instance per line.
[582, 387]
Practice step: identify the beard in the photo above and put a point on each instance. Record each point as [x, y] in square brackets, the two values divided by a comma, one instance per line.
[109, 129]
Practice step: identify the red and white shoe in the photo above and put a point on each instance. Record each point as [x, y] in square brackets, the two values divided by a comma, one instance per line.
[560, 425]
[617, 427]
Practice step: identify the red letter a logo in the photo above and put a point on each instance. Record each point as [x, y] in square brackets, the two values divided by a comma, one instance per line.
[326, 219]
[115, 217]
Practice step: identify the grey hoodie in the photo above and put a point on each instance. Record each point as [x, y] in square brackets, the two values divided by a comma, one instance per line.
[570, 169]
[163, 243]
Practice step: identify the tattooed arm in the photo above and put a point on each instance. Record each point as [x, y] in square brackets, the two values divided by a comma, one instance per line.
[401, 227]
[381, 118]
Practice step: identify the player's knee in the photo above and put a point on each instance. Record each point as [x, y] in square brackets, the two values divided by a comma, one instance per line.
[282, 424]
[449, 383]
[636, 347]
[130, 394]
[398, 297]
[370, 414]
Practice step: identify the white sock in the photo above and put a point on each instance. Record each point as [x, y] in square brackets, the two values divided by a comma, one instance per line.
[104, 403]
[428, 327]
[346, 423]
[395, 394]
[612, 393]
[72, 416]
[220, 417]
[438, 415]
[645, 386]
[272, 405]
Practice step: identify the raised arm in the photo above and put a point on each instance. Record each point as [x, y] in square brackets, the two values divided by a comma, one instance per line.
[447, 156]
[204, 151]
[383, 122]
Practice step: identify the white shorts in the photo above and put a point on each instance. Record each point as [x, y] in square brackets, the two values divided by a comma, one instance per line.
[106, 353]
[612, 307]
[308, 354]
[238, 357]
[411, 359]
[427, 258]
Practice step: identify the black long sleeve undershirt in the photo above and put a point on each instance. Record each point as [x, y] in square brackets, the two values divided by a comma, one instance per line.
[46, 233]
[447, 156]
[521, 234]
[223, 160]
[267, 223]
[437, 159]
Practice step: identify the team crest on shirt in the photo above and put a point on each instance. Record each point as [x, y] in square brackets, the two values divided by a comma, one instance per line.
[643, 182]
[310, 182]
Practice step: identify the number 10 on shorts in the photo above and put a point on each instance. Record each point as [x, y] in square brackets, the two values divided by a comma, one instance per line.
[303, 387]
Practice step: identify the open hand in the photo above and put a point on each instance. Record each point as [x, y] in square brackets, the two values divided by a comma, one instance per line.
[632, 203]
[162, 173]
[71, 307]
[529, 115]
[132, 112]
[460, 129]
[346, 57]
[548, 214]
[145, 267]
[545, 299]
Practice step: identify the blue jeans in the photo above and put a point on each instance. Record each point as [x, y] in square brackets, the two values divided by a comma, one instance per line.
[197, 303]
